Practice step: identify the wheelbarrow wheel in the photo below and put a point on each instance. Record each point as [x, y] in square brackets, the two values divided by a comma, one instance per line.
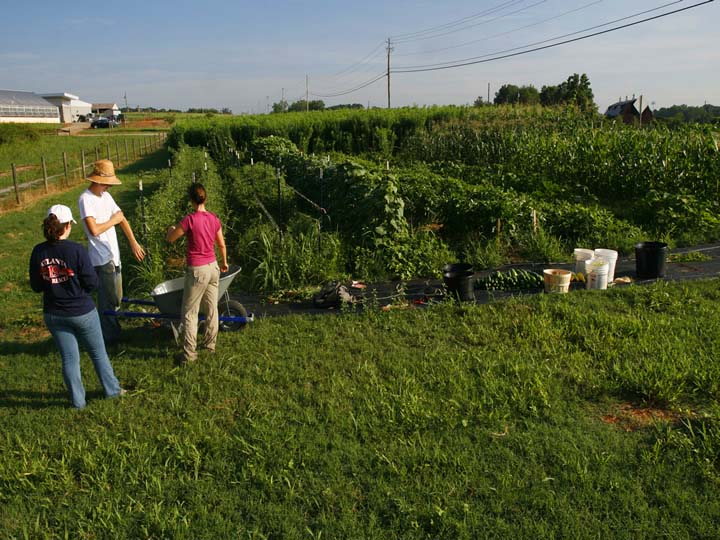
[232, 308]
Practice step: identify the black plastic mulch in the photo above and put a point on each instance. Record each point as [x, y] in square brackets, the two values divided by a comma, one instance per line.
[422, 292]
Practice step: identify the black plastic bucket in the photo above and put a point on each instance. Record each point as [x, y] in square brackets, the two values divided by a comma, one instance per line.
[459, 281]
[650, 259]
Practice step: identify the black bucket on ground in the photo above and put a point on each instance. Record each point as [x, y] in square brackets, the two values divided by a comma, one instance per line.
[650, 259]
[459, 280]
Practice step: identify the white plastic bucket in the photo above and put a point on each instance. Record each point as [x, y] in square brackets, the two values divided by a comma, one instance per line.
[597, 273]
[556, 280]
[610, 256]
[581, 255]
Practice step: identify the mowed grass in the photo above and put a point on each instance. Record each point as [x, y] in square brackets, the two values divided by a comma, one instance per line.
[588, 415]
[27, 155]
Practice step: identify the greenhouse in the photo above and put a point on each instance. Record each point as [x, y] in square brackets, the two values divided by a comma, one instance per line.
[26, 107]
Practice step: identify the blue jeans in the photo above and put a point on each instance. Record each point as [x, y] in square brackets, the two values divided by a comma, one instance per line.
[85, 329]
[109, 297]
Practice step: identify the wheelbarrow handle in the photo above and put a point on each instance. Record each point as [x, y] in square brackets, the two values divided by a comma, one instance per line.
[138, 301]
[137, 315]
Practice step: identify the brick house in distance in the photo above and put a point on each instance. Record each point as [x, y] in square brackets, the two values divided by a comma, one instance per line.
[629, 113]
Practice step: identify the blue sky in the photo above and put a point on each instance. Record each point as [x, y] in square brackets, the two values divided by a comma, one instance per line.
[246, 56]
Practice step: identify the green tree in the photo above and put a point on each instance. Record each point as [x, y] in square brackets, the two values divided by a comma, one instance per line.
[280, 107]
[578, 92]
[574, 91]
[529, 95]
[313, 105]
[480, 102]
[509, 93]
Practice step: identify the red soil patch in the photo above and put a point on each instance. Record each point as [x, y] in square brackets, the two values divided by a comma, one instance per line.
[155, 123]
[631, 417]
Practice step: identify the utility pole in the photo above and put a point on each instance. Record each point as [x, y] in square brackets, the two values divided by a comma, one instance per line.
[389, 50]
[640, 110]
[126, 106]
[307, 94]
[488, 92]
[282, 101]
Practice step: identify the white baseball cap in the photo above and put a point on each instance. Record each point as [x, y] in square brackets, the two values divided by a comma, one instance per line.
[62, 212]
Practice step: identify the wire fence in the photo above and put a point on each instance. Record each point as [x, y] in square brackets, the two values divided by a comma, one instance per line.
[55, 172]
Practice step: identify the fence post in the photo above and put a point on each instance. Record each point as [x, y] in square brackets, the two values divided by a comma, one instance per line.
[127, 157]
[117, 151]
[108, 151]
[134, 151]
[17, 191]
[44, 168]
[97, 154]
[82, 159]
[65, 166]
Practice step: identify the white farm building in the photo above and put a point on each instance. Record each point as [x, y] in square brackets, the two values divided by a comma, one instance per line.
[109, 110]
[71, 107]
[26, 107]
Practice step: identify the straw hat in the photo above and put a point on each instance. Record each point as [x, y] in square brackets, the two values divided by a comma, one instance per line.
[104, 173]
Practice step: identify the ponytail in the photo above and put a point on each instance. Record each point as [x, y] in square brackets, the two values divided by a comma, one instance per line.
[52, 228]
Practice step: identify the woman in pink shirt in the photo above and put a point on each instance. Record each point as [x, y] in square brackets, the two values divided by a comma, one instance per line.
[202, 274]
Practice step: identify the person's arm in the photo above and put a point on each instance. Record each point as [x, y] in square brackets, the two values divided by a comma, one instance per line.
[96, 229]
[36, 281]
[85, 271]
[136, 248]
[174, 232]
[220, 241]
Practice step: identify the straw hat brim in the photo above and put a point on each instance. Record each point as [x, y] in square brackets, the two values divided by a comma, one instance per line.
[107, 180]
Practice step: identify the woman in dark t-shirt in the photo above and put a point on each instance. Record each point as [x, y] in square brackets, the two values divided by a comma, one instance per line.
[62, 271]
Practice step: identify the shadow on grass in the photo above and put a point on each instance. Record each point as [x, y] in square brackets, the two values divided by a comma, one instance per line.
[28, 399]
[139, 340]
[33, 348]
[128, 199]
[153, 161]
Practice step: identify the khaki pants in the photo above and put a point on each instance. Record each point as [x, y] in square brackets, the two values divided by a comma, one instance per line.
[200, 295]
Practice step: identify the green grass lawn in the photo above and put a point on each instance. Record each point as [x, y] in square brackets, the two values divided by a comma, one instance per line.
[587, 415]
[27, 155]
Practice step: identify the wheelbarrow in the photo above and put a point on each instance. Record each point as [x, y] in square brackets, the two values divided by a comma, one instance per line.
[167, 298]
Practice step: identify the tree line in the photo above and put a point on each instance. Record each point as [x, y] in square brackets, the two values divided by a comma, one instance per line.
[688, 114]
[575, 90]
[312, 105]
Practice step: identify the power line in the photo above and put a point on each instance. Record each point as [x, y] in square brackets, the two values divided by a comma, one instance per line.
[352, 76]
[466, 43]
[411, 35]
[360, 62]
[350, 91]
[359, 75]
[498, 55]
[508, 53]
[520, 10]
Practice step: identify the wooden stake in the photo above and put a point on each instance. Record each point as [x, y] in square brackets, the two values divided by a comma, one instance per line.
[44, 169]
[17, 191]
[65, 166]
[534, 222]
